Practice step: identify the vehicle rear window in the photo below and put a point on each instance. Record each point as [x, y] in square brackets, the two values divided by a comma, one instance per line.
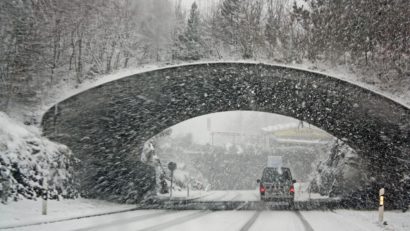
[274, 175]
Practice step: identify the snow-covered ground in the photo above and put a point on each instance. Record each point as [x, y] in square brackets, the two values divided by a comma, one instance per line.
[233, 220]
[29, 211]
[356, 220]
[62, 216]
[183, 195]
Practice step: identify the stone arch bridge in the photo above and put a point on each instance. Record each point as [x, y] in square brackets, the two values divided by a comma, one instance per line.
[106, 124]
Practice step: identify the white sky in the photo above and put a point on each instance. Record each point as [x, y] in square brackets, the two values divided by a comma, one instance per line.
[201, 3]
[204, 5]
[234, 121]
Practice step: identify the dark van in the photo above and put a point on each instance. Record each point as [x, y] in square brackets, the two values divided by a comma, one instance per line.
[277, 184]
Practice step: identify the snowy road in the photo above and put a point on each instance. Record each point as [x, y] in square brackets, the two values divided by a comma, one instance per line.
[191, 220]
[151, 220]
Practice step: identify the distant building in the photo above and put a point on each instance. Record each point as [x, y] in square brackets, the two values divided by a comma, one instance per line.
[296, 133]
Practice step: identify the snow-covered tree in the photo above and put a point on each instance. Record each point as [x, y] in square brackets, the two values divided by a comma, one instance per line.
[239, 26]
[189, 44]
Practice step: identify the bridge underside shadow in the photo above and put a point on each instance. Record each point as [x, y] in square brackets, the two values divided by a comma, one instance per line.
[105, 125]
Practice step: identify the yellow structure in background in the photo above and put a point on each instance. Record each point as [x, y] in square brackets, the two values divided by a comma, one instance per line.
[303, 133]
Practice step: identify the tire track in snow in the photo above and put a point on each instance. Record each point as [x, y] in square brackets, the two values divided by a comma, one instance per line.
[305, 223]
[176, 221]
[251, 221]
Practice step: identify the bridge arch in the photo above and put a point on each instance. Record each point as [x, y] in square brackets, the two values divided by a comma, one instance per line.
[104, 124]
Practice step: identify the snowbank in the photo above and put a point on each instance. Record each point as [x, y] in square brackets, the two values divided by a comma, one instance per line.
[356, 220]
[26, 159]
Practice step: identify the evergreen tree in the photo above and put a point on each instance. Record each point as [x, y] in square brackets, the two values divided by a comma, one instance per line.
[178, 31]
[272, 28]
[250, 31]
[192, 34]
[229, 21]
[239, 23]
[189, 43]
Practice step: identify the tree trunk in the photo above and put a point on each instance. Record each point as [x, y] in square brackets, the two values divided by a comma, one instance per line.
[127, 58]
[79, 61]
[109, 58]
[72, 52]
[117, 61]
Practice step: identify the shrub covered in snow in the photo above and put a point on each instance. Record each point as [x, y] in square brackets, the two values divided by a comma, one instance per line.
[341, 174]
[27, 159]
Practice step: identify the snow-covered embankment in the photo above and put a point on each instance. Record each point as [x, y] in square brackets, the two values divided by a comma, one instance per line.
[27, 158]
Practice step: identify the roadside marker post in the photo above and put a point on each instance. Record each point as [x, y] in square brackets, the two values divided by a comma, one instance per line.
[172, 177]
[188, 185]
[381, 205]
[45, 198]
[187, 190]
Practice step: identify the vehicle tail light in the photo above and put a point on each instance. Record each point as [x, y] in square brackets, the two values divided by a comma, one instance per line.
[262, 189]
[292, 189]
